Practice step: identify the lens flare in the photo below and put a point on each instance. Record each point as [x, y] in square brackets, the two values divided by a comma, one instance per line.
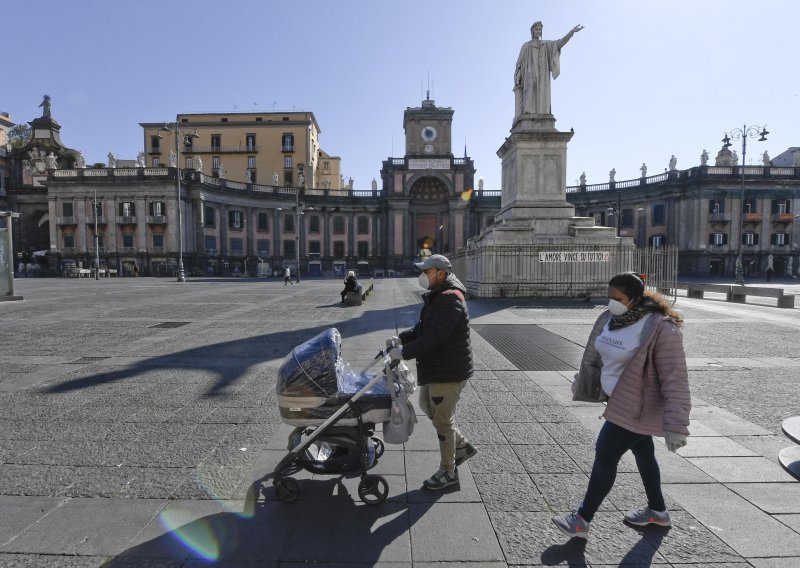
[466, 195]
[197, 536]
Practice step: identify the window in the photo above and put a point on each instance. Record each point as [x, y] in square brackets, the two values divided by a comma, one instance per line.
[338, 249]
[251, 143]
[98, 208]
[211, 245]
[237, 247]
[749, 206]
[658, 214]
[69, 241]
[101, 240]
[363, 249]
[215, 162]
[750, 239]
[314, 247]
[287, 162]
[313, 224]
[287, 143]
[127, 241]
[338, 225]
[210, 218]
[288, 222]
[626, 220]
[187, 142]
[155, 144]
[288, 248]
[156, 162]
[780, 239]
[780, 206]
[251, 162]
[127, 209]
[287, 177]
[718, 239]
[158, 240]
[66, 209]
[263, 221]
[657, 241]
[326, 166]
[189, 163]
[216, 140]
[157, 208]
[363, 225]
[263, 247]
[235, 219]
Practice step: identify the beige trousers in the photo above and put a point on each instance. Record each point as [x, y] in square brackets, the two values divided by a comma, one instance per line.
[438, 401]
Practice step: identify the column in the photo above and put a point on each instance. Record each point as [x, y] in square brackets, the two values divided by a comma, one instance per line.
[351, 233]
[326, 240]
[52, 212]
[276, 234]
[222, 245]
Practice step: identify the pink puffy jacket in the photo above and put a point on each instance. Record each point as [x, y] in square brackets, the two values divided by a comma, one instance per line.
[652, 394]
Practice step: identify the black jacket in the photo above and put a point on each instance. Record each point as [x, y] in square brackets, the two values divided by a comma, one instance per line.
[440, 341]
[350, 284]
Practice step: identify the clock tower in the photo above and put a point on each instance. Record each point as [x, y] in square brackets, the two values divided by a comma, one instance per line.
[428, 130]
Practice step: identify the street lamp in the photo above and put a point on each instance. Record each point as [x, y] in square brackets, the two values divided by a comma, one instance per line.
[96, 241]
[615, 210]
[186, 134]
[742, 133]
[298, 209]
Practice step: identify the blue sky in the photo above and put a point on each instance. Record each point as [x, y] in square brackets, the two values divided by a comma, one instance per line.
[643, 80]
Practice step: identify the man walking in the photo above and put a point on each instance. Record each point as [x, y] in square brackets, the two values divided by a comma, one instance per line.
[440, 342]
[287, 277]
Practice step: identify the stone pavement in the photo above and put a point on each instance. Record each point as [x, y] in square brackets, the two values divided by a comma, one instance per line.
[136, 413]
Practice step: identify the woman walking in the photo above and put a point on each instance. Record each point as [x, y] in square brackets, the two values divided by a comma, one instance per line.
[634, 360]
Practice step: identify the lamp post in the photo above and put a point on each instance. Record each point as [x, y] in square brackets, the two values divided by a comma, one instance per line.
[96, 241]
[616, 210]
[186, 134]
[298, 209]
[742, 133]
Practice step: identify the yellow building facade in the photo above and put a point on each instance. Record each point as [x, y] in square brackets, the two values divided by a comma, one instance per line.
[267, 148]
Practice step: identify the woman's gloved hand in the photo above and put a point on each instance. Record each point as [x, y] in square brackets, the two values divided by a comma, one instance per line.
[674, 441]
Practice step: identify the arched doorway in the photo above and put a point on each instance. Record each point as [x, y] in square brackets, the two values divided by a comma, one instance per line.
[430, 213]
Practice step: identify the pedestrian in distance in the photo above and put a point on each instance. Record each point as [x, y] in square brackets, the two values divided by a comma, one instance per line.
[287, 277]
[634, 360]
[350, 284]
[136, 271]
[440, 342]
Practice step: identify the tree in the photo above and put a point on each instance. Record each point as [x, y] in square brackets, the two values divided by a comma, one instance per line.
[19, 135]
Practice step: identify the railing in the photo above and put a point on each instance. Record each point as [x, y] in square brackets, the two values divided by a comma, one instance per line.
[719, 217]
[782, 171]
[754, 217]
[287, 148]
[156, 171]
[122, 172]
[235, 185]
[101, 220]
[717, 170]
[157, 219]
[95, 173]
[65, 173]
[219, 149]
[65, 221]
[158, 250]
[126, 219]
[127, 250]
[783, 217]
[398, 161]
[490, 192]
[211, 251]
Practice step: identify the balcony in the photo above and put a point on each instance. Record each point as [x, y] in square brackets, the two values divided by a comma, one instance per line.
[754, 217]
[719, 217]
[155, 150]
[212, 252]
[246, 149]
[101, 220]
[65, 221]
[158, 250]
[783, 217]
[126, 220]
[127, 250]
[287, 148]
[157, 220]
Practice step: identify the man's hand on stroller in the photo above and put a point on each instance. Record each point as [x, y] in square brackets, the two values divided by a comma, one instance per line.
[393, 341]
[396, 354]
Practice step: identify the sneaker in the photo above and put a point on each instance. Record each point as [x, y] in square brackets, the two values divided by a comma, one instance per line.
[463, 454]
[441, 479]
[572, 525]
[646, 516]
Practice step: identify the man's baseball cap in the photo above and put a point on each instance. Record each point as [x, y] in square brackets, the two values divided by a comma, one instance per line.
[435, 261]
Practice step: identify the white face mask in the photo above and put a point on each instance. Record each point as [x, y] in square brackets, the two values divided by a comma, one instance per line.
[423, 280]
[616, 307]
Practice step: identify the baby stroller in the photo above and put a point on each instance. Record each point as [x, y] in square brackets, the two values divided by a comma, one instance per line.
[334, 411]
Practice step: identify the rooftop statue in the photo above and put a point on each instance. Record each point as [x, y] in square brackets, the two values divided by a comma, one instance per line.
[45, 106]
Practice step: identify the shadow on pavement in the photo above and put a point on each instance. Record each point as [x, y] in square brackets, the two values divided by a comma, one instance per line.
[335, 530]
[573, 552]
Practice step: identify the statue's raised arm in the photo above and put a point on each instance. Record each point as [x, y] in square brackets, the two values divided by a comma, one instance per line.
[563, 41]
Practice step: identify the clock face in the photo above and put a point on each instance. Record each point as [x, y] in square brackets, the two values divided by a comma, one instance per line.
[429, 133]
[428, 149]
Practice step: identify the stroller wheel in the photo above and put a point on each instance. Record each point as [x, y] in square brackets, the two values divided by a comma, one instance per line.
[373, 489]
[288, 489]
[379, 447]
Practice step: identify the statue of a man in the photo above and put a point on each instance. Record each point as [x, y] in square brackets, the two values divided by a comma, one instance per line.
[583, 178]
[735, 158]
[112, 160]
[45, 106]
[374, 184]
[612, 174]
[52, 164]
[221, 171]
[480, 183]
[248, 176]
[173, 159]
[765, 158]
[275, 178]
[198, 164]
[80, 161]
[643, 169]
[673, 163]
[704, 158]
[301, 180]
[538, 60]
[140, 159]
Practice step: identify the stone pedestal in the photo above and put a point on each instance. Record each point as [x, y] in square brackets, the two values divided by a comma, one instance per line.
[535, 219]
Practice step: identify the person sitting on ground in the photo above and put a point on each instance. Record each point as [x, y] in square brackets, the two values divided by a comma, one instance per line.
[350, 284]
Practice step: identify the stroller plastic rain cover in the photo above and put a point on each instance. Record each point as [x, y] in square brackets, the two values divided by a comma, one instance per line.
[314, 381]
